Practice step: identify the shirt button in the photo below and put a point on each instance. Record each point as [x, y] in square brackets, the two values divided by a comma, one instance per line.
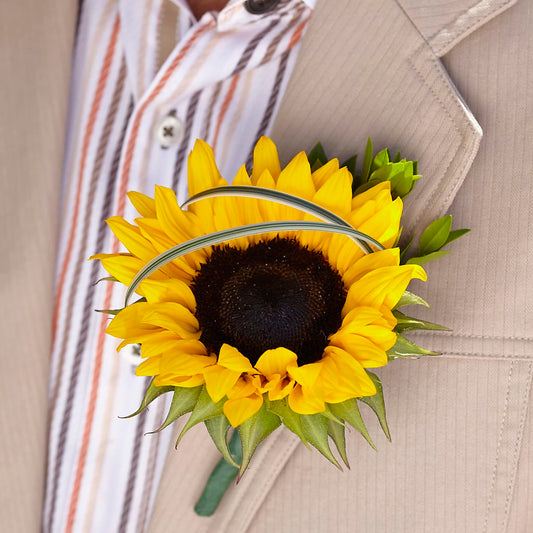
[258, 7]
[169, 131]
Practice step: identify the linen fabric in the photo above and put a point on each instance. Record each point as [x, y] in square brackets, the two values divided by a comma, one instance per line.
[426, 79]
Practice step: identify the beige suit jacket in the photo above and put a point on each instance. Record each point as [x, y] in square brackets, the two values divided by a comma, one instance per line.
[406, 74]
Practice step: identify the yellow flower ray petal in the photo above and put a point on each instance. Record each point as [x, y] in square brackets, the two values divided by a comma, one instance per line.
[241, 409]
[265, 158]
[144, 205]
[276, 361]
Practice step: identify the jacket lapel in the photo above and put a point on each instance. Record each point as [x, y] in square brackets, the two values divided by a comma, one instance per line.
[365, 69]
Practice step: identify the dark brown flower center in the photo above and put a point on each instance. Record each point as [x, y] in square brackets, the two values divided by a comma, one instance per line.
[274, 293]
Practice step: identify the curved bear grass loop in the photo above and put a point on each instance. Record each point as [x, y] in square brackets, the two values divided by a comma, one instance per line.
[219, 237]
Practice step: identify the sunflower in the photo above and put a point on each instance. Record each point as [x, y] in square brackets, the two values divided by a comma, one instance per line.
[290, 316]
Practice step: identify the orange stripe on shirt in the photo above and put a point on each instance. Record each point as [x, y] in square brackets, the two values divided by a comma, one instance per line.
[104, 74]
[224, 108]
[126, 167]
[107, 299]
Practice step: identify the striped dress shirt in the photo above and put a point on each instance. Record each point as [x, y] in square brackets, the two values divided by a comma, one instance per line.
[148, 79]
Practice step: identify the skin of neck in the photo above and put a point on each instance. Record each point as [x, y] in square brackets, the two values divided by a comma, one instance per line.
[199, 7]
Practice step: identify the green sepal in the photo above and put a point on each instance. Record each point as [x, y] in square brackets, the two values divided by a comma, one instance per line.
[422, 260]
[328, 413]
[291, 420]
[183, 402]
[317, 155]
[407, 323]
[253, 431]
[218, 428]
[349, 411]
[109, 311]
[403, 251]
[377, 404]
[336, 432]
[315, 428]
[405, 349]
[204, 409]
[408, 298]
[107, 278]
[152, 392]
[434, 237]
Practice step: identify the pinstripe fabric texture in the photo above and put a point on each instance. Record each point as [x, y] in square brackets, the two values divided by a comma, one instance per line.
[223, 81]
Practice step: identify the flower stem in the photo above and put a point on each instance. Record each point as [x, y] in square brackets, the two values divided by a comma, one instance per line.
[220, 479]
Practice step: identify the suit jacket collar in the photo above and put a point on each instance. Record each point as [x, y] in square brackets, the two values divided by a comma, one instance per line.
[368, 68]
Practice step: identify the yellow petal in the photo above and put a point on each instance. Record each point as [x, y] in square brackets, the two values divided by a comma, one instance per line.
[382, 287]
[179, 225]
[130, 236]
[336, 193]
[296, 179]
[343, 377]
[203, 174]
[126, 267]
[369, 262]
[265, 158]
[167, 341]
[322, 174]
[371, 194]
[178, 381]
[170, 290]
[304, 403]
[239, 410]
[276, 361]
[186, 364]
[173, 317]
[368, 353]
[150, 367]
[144, 204]
[279, 389]
[306, 374]
[219, 381]
[230, 357]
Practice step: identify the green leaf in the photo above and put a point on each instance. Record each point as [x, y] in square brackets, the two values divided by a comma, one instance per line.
[315, 428]
[382, 158]
[253, 431]
[377, 404]
[405, 349]
[435, 235]
[407, 323]
[427, 258]
[243, 231]
[408, 298]
[456, 234]
[367, 161]
[291, 420]
[204, 409]
[152, 392]
[336, 432]
[183, 402]
[317, 154]
[349, 411]
[219, 480]
[218, 428]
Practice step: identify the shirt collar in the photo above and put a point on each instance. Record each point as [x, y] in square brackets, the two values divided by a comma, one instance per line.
[234, 13]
